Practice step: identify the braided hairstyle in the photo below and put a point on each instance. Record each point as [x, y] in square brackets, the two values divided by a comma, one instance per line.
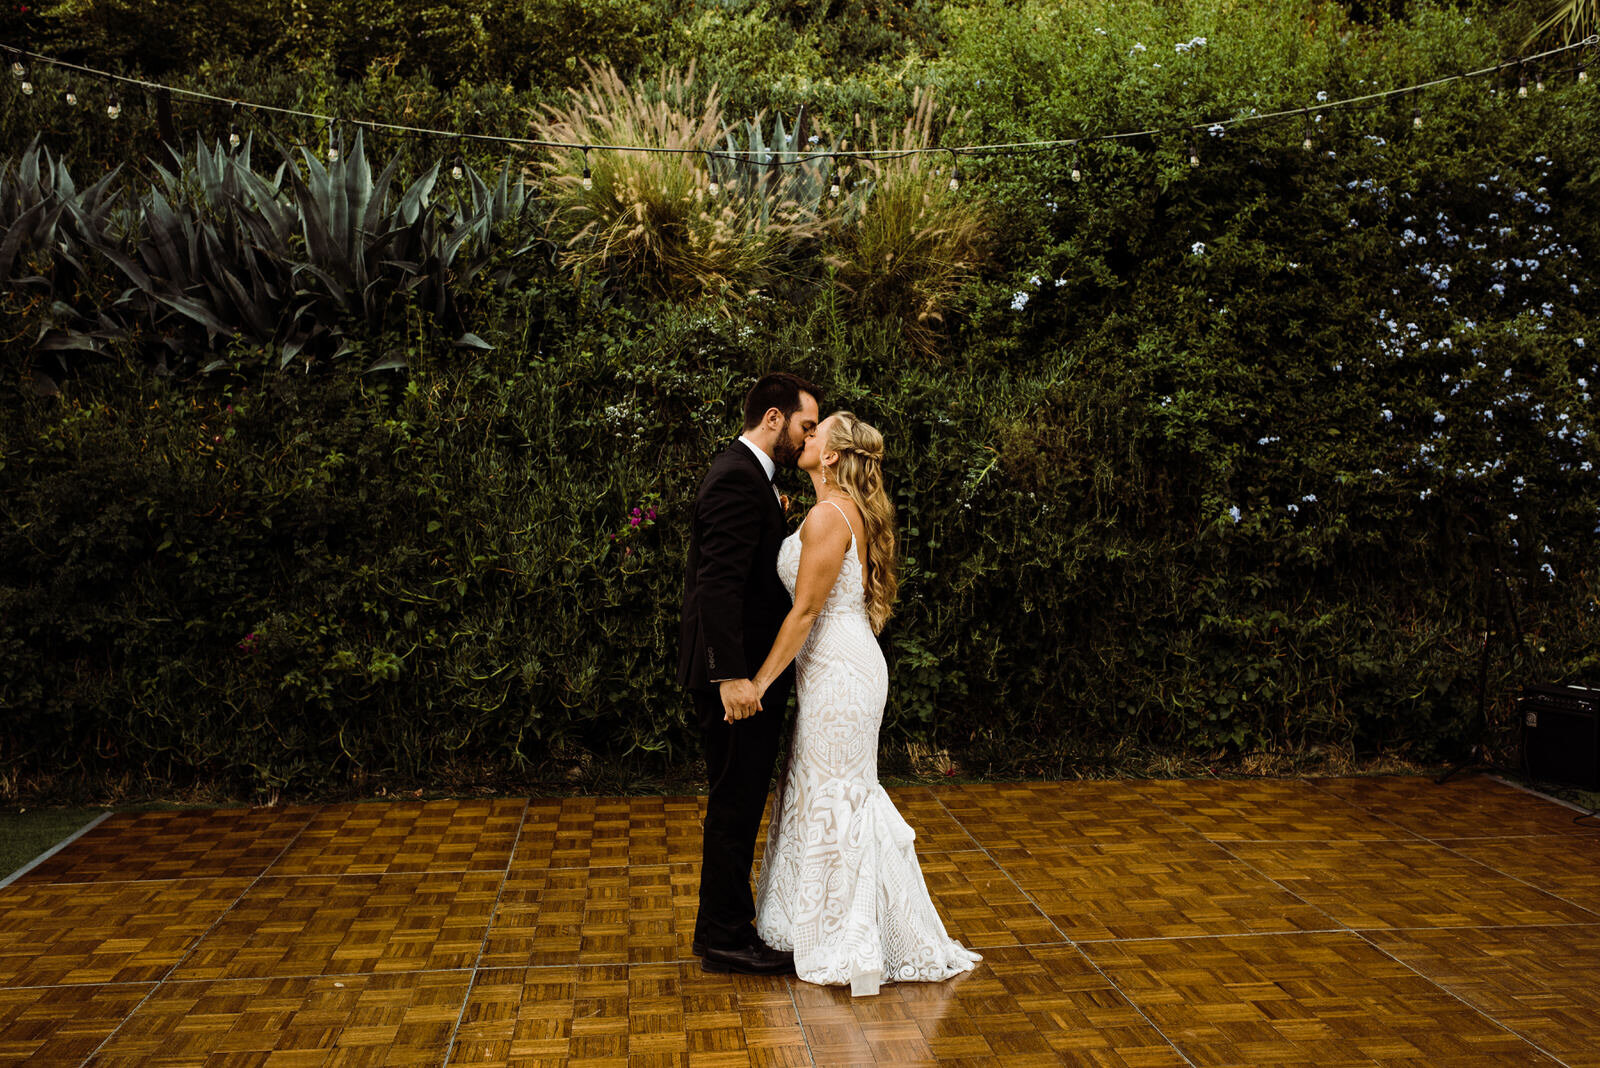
[860, 475]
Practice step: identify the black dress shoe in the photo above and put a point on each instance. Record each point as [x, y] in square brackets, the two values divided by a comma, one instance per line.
[758, 959]
[698, 948]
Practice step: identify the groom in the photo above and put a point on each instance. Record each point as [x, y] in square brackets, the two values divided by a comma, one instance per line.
[733, 606]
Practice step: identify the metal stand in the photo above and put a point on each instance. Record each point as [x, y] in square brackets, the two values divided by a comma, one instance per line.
[1477, 758]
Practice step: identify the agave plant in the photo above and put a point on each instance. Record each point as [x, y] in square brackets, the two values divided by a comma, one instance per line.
[820, 184]
[660, 216]
[289, 263]
[49, 231]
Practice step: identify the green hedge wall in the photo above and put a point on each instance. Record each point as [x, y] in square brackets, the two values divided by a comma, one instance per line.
[1219, 460]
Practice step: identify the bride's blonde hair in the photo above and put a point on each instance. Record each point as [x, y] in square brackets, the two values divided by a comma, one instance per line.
[859, 473]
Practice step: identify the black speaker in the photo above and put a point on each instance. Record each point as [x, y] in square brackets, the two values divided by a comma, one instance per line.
[1561, 734]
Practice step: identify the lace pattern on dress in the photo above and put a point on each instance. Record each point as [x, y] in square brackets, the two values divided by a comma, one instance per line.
[840, 883]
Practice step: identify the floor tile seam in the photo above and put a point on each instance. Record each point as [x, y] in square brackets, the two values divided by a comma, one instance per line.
[196, 943]
[799, 1021]
[1363, 809]
[1212, 937]
[53, 850]
[204, 980]
[1283, 889]
[1516, 878]
[1369, 929]
[488, 929]
[1539, 793]
[1068, 941]
[1444, 989]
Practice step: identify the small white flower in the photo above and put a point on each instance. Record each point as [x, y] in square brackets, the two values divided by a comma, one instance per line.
[1322, 94]
[1137, 47]
[1019, 301]
[1199, 249]
[1235, 513]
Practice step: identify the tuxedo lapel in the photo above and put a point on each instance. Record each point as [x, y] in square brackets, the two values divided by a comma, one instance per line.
[750, 457]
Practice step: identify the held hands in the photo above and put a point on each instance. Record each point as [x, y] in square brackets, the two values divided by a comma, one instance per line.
[740, 699]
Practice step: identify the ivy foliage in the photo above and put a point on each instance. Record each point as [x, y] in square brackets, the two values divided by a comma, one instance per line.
[1231, 458]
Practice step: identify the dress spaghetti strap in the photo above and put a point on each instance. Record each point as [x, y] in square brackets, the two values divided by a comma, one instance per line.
[846, 515]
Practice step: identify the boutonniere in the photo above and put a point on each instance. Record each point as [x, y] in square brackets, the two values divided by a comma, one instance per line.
[783, 499]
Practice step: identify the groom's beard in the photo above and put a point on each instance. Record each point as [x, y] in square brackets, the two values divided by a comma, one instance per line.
[785, 453]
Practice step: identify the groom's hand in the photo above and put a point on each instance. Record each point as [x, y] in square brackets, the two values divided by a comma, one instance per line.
[740, 699]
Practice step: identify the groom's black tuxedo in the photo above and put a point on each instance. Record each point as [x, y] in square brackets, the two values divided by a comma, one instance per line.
[733, 600]
[734, 605]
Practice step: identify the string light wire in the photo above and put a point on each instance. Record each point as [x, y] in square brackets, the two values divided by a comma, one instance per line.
[1369, 99]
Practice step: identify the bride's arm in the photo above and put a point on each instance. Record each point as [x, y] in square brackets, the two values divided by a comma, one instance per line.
[824, 539]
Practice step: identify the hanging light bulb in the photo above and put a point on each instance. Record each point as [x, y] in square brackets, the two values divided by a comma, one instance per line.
[1194, 153]
[713, 188]
[833, 190]
[113, 109]
[455, 171]
[233, 137]
[72, 99]
[588, 179]
[1522, 86]
[1538, 83]
[17, 69]
[27, 87]
[955, 175]
[1416, 118]
[1583, 74]
[1077, 175]
[333, 153]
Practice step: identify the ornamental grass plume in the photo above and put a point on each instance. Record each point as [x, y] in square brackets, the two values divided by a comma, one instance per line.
[652, 217]
[918, 242]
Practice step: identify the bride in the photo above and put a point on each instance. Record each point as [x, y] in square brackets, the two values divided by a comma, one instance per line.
[840, 884]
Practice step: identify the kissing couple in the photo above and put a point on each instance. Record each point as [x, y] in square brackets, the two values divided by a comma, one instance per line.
[841, 898]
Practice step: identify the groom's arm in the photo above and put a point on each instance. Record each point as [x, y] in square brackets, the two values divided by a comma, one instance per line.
[730, 529]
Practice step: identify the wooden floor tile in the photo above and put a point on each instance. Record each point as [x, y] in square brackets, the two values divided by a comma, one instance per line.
[1404, 884]
[605, 915]
[1059, 815]
[108, 932]
[1023, 1005]
[937, 830]
[587, 832]
[375, 838]
[648, 1013]
[1473, 806]
[1323, 999]
[1541, 982]
[379, 1020]
[325, 925]
[197, 843]
[1142, 890]
[1566, 865]
[980, 904]
[1267, 810]
[561, 927]
[45, 1025]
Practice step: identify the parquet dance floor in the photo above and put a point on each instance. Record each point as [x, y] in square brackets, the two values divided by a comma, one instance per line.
[1319, 922]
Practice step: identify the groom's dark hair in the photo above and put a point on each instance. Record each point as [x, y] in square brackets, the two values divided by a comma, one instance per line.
[780, 390]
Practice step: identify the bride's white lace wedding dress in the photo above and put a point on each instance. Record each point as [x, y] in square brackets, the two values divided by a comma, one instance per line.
[840, 884]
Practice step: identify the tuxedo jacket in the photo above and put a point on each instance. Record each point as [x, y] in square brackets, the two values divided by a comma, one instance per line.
[733, 601]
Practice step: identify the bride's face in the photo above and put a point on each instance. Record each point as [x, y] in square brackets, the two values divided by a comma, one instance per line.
[811, 455]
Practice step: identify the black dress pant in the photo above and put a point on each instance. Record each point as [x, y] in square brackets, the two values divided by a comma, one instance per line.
[739, 760]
